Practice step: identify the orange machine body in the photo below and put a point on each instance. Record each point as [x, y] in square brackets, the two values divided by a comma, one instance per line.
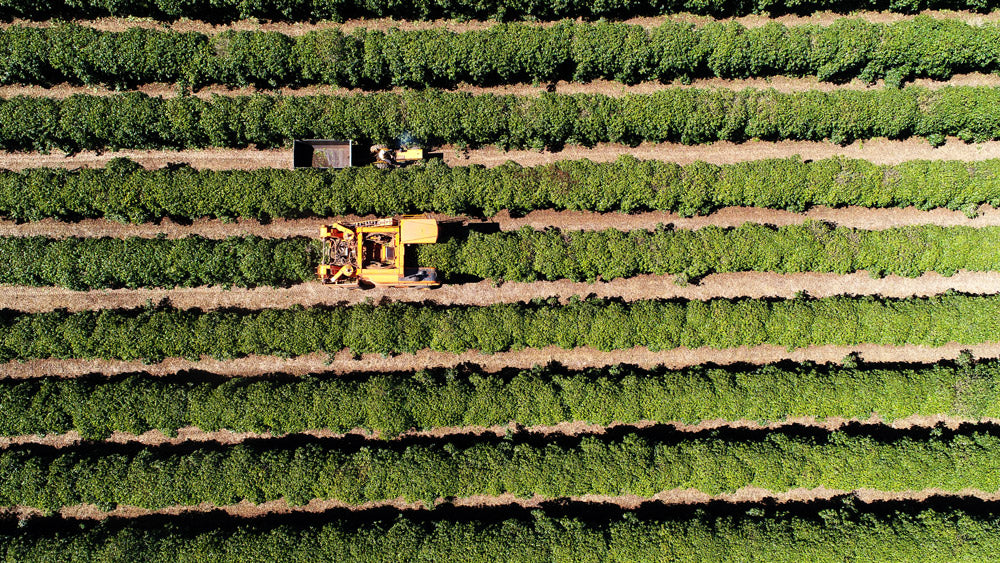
[373, 253]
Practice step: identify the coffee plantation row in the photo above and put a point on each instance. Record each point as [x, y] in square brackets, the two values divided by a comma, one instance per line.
[638, 462]
[524, 256]
[152, 334]
[135, 262]
[502, 54]
[528, 255]
[340, 10]
[691, 116]
[124, 191]
[838, 529]
[393, 403]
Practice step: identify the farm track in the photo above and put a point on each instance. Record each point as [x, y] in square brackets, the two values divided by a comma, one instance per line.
[578, 358]
[878, 151]
[784, 84]
[192, 434]
[600, 503]
[300, 28]
[853, 217]
[725, 285]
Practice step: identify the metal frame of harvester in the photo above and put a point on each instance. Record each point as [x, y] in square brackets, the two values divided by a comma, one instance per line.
[373, 253]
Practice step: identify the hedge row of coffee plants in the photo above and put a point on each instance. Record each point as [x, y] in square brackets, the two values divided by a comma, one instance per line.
[501, 54]
[528, 255]
[690, 116]
[632, 464]
[89, 263]
[389, 404]
[153, 334]
[340, 10]
[836, 530]
[124, 191]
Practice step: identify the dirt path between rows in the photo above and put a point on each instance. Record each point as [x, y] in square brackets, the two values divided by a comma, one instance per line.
[301, 28]
[578, 358]
[746, 495]
[853, 217]
[604, 87]
[727, 285]
[879, 151]
[191, 434]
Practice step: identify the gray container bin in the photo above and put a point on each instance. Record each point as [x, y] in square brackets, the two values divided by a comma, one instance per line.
[321, 153]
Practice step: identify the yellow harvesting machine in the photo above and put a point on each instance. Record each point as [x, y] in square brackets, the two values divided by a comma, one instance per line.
[373, 253]
[388, 158]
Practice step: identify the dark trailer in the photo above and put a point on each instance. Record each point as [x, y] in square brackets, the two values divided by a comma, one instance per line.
[321, 153]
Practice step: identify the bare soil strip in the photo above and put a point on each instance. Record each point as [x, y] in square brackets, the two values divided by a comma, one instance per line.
[727, 285]
[853, 217]
[572, 428]
[300, 28]
[578, 358]
[606, 87]
[746, 495]
[879, 151]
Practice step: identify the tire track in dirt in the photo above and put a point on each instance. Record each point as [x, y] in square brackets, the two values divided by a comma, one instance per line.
[784, 84]
[853, 217]
[595, 503]
[878, 151]
[575, 359]
[191, 434]
[731, 285]
[823, 18]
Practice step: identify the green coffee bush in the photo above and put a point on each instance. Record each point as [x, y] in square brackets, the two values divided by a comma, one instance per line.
[340, 10]
[525, 255]
[124, 191]
[82, 263]
[630, 464]
[528, 255]
[835, 530]
[136, 121]
[152, 334]
[500, 54]
[391, 403]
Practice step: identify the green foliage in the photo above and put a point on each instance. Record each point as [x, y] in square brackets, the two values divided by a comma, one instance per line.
[633, 463]
[528, 255]
[125, 191]
[92, 263]
[500, 54]
[837, 530]
[690, 116]
[389, 404]
[154, 334]
[340, 10]
[525, 255]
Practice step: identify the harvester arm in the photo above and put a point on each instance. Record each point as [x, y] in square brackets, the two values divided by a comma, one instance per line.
[346, 271]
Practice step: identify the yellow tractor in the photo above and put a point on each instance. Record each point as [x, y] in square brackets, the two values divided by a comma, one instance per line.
[388, 158]
[373, 253]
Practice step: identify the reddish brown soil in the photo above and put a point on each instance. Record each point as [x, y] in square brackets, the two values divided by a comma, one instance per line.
[728, 285]
[570, 428]
[879, 151]
[818, 18]
[605, 87]
[667, 498]
[855, 217]
[578, 358]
